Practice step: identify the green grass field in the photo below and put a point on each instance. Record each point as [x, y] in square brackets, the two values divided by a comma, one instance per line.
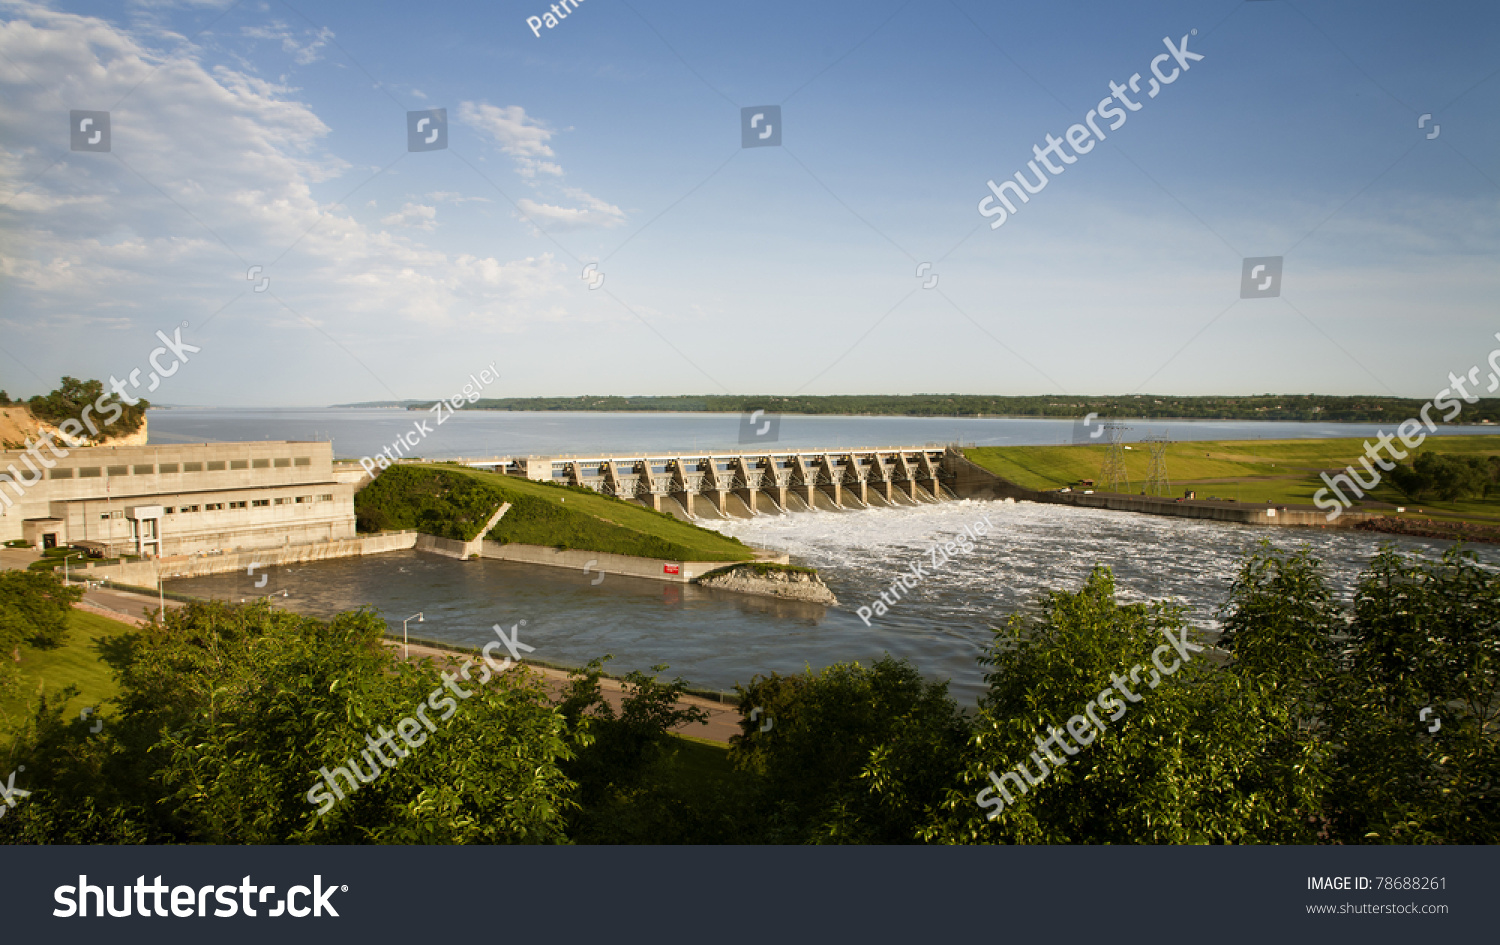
[75, 663]
[561, 517]
[1284, 472]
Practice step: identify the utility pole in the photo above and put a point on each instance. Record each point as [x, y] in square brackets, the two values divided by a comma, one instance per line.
[1157, 482]
[1113, 474]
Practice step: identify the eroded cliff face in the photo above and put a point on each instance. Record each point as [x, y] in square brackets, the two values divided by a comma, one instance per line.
[790, 585]
[17, 425]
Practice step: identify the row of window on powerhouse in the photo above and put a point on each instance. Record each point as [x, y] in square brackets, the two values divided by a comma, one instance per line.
[147, 469]
[220, 506]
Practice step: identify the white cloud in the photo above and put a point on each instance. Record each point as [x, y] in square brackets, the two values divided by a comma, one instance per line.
[594, 213]
[527, 142]
[522, 137]
[303, 52]
[211, 170]
[449, 196]
[414, 215]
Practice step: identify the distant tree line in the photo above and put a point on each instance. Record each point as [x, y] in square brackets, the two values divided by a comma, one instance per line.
[1286, 407]
[1375, 721]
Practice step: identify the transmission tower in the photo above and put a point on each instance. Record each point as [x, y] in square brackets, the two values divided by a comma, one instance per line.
[1113, 473]
[1157, 482]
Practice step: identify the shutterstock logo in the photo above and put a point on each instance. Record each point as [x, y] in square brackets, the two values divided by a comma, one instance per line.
[187, 901]
[1081, 137]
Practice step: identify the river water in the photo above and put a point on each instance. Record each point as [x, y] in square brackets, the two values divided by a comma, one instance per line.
[716, 639]
[357, 432]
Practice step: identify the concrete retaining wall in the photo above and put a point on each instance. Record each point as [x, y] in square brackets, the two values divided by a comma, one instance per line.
[971, 481]
[146, 573]
[447, 547]
[676, 572]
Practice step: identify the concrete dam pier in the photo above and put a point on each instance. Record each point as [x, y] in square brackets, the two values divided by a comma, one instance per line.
[741, 484]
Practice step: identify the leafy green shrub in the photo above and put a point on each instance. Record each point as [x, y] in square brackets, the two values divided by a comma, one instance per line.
[433, 501]
[68, 401]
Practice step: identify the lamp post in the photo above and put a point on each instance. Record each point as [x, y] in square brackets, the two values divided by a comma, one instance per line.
[65, 564]
[405, 652]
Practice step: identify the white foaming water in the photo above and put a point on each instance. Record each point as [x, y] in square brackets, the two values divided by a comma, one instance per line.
[1035, 547]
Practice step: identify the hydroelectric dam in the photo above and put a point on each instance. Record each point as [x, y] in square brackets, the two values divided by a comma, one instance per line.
[739, 484]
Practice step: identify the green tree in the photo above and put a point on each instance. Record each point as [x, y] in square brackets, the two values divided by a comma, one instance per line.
[228, 714]
[1435, 475]
[621, 759]
[851, 754]
[1424, 635]
[34, 608]
[69, 399]
[1194, 757]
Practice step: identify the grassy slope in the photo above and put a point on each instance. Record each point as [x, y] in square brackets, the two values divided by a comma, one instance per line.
[1282, 471]
[545, 514]
[76, 663]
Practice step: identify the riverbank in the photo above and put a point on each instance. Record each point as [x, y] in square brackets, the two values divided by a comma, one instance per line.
[1433, 528]
[1253, 476]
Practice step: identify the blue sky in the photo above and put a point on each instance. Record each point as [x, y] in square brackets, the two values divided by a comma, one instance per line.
[262, 134]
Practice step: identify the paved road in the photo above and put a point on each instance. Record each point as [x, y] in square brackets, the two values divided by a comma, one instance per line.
[723, 718]
[122, 603]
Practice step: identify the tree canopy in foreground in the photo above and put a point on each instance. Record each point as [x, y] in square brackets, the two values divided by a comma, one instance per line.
[1102, 723]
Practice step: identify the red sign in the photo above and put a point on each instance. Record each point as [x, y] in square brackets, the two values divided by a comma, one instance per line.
[670, 569]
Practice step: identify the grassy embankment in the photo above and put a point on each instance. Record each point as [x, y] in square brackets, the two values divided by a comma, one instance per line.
[454, 502]
[1284, 472]
[76, 663]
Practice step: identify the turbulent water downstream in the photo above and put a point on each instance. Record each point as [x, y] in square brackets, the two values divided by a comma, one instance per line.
[716, 639]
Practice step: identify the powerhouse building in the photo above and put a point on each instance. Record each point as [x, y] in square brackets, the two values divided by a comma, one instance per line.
[170, 500]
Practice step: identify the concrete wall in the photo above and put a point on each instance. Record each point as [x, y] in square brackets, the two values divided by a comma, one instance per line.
[971, 481]
[447, 547]
[600, 562]
[145, 573]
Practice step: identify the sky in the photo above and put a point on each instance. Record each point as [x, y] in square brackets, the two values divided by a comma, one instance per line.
[259, 197]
